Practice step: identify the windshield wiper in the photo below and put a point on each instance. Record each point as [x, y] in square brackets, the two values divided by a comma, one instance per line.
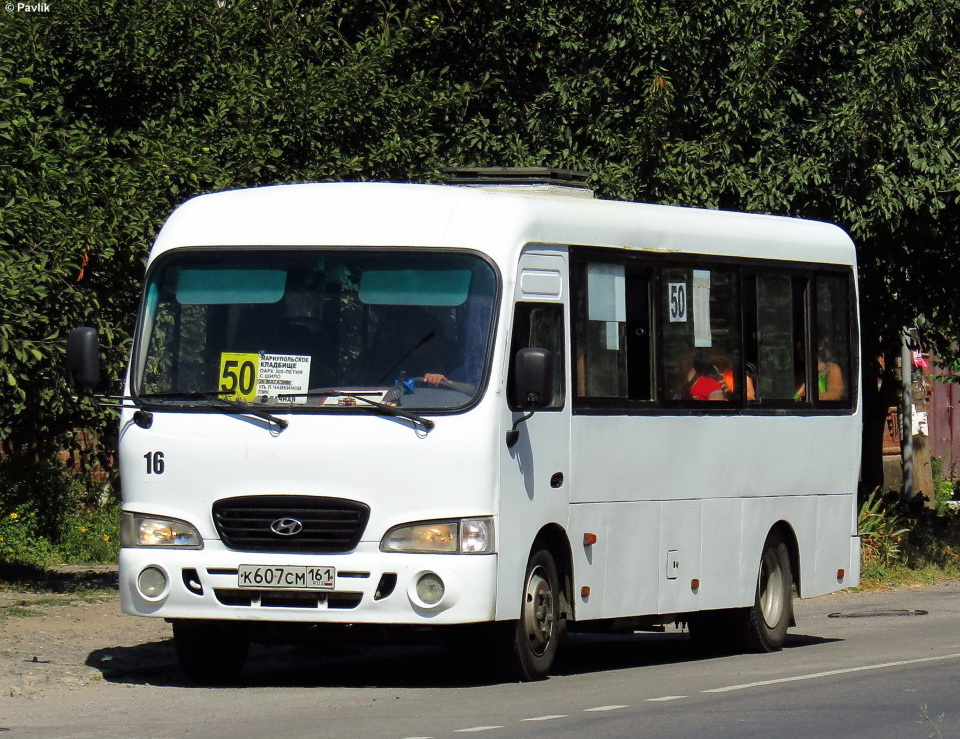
[389, 410]
[225, 405]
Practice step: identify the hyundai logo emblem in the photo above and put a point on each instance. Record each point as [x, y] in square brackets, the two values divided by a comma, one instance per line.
[286, 527]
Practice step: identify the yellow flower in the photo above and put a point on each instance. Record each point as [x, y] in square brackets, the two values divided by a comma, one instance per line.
[14, 516]
[82, 529]
[106, 537]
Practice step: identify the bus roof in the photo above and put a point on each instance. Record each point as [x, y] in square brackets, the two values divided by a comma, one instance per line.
[498, 223]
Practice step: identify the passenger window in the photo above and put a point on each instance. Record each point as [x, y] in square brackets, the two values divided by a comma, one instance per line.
[700, 354]
[777, 348]
[833, 338]
[540, 325]
[612, 331]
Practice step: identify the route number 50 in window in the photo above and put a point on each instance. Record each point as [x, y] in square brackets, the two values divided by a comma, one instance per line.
[238, 375]
[677, 295]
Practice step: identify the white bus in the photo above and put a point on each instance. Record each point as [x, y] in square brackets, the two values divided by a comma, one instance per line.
[396, 407]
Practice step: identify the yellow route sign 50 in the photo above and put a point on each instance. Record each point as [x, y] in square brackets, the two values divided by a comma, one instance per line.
[238, 375]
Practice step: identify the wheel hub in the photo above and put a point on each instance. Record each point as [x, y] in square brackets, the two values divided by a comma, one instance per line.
[771, 589]
[538, 612]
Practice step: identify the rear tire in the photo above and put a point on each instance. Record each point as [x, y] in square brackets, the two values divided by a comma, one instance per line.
[764, 626]
[210, 652]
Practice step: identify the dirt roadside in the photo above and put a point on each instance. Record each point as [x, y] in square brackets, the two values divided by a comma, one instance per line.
[71, 634]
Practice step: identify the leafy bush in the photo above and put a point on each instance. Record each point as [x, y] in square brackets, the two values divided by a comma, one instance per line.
[20, 540]
[91, 535]
[906, 542]
[944, 489]
[49, 515]
[934, 541]
[881, 533]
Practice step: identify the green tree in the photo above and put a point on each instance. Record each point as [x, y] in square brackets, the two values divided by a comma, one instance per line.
[842, 111]
[111, 113]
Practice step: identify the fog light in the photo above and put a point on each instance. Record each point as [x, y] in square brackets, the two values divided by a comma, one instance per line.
[152, 582]
[430, 588]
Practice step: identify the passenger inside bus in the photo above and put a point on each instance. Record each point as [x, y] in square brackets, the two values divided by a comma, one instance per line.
[722, 365]
[830, 384]
[702, 380]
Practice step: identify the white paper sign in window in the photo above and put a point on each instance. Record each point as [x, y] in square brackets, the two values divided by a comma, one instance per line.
[702, 337]
[284, 373]
[607, 299]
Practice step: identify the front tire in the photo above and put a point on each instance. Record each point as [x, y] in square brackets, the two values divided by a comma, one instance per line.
[210, 652]
[528, 646]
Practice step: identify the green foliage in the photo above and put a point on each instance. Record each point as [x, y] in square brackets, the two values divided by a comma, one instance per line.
[90, 535]
[20, 538]
[111, 113]
[944, 490]
[881, 534]
[933, 542]
[906, 543]
[49, 516]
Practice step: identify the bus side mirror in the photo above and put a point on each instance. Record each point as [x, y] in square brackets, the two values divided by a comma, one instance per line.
[83, 359]
[533, 378]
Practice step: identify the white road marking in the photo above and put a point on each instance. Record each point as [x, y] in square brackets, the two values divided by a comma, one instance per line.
[665, 698]
[477, 729]
[604, 708]
[830, 673]
[546, 718]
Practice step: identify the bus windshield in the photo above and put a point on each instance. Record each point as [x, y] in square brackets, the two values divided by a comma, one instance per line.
[316, 329]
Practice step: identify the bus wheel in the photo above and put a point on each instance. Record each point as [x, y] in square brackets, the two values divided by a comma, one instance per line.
[530, 644]
[210, 652]
[765, 624]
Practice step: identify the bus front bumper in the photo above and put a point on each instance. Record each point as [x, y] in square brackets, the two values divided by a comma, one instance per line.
[367, 588]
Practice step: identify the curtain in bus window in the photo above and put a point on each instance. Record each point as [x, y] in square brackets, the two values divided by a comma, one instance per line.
[701, 350]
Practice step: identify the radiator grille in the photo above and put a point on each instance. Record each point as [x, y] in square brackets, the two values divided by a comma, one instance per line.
[326, 525]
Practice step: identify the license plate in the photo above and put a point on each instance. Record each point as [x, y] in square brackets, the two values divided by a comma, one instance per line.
[286, 577]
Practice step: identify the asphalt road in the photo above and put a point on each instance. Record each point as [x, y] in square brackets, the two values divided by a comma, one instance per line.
[857, 665]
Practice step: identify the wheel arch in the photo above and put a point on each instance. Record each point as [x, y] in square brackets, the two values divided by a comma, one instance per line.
[553, 538]
[789, 537]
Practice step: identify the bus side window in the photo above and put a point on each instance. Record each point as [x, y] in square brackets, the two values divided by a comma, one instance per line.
[699, 319]
[612, 331]
[833, 339]
[778, 341]
[540, 325]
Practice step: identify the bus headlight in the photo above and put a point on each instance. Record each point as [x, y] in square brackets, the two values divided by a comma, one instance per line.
[461, 536]
[476, 535]
[141, 530]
